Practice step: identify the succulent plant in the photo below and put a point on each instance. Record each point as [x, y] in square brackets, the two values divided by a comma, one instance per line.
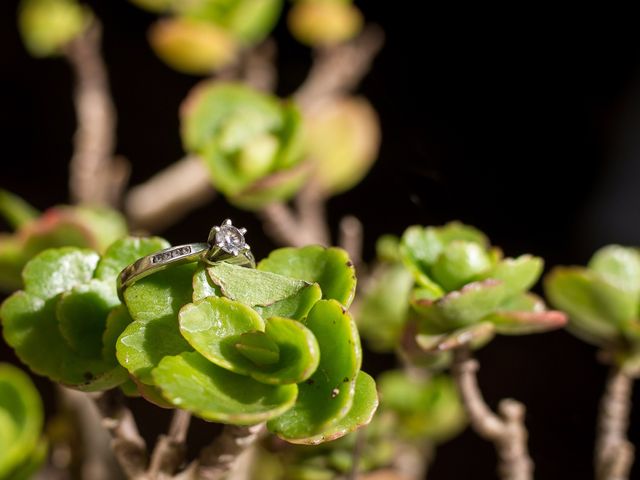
[602, 300]
[465, 291]
[244, 346]
[249, 141]
[202, 36]
[22, 449]
[65, 323]
[91, 227]
[322, 23]
[47, 26]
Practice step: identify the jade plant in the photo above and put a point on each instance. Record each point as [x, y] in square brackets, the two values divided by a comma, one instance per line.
[22, 447]
[603, 304]
[81, 226]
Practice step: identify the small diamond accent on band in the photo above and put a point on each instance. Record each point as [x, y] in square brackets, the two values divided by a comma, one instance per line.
[170, 254]
[230, 238]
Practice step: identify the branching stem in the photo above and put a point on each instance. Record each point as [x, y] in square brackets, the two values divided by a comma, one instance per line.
[506, 430]
[614, 453]
[93, 178]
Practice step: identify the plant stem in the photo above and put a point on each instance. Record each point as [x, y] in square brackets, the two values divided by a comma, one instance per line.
[171, 448]
[220, 457]
[93, 178]
[506, 430]
[127, 444]
[614, 454]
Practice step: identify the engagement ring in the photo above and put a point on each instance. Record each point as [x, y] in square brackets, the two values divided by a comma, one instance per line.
[226, 243]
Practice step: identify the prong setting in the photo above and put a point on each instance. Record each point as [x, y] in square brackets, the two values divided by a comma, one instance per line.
[229, 238]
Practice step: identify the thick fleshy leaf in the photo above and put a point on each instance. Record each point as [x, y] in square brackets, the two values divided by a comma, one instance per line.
[258, 348]
[124, 252]
[143, 345]
[365, 403]
[191, 382]
[328, 394]
[160, 295]
[517, 274]
[460, 308]
[253, 287]
[202, 284]
[213, 326]
[474, 336]
[525, 314]
[15, 210]
[343, 137]
[117, 321]
[299, 353]
[57, 270]
[331, 268]
[21, 418]
[28, 470]
[424, 407]
[597, 310]
[12, 259]
[619, 266]
[385, 307]
[82, 314]
[323, 24]
[459, 263]
[297, 306]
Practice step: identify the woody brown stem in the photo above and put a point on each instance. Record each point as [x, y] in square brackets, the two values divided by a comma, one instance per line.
[506, 430]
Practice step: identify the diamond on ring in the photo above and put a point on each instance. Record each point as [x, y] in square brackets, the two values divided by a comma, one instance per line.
[229, 238]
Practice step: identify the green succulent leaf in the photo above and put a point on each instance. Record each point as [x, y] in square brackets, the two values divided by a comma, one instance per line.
[598, 311]
[299, 353]
[459, 263]
[202, 284]
[213, 327]
[258, 348]
[619, 266]
[117, 321]
[460, 308]
[15, 210]
[328, 394]
[331, 268]
[525, 314]
[12, 259]
[425, 408]
[191, 382]
[82, 315]
[517, 274]
[47, 26]
[21, 419]
[474, 336]
[124, 252]
[365, 403]
[254, 287]
[385, 307]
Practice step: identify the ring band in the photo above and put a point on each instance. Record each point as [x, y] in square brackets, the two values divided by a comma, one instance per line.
[225, 244]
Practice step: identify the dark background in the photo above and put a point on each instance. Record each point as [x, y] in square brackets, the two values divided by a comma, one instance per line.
[526, 128]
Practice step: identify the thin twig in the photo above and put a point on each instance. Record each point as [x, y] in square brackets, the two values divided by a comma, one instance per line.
[91, 178]
[340, 69]
[219, 458]
[169, 195]
[356, 454]
[171, 448]
[127, 444]
[351, 238]
[259, 67]
[614, 454]
[506, 431]
[312, 215]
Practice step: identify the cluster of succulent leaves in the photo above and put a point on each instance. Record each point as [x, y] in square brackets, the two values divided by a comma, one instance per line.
[22, 449]
[251, 142]
[456, 287]
[231, 344]
[414, 412]
[201, 36]
[81, 226]
[244, 346]
[602, 301]
[47, 26]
